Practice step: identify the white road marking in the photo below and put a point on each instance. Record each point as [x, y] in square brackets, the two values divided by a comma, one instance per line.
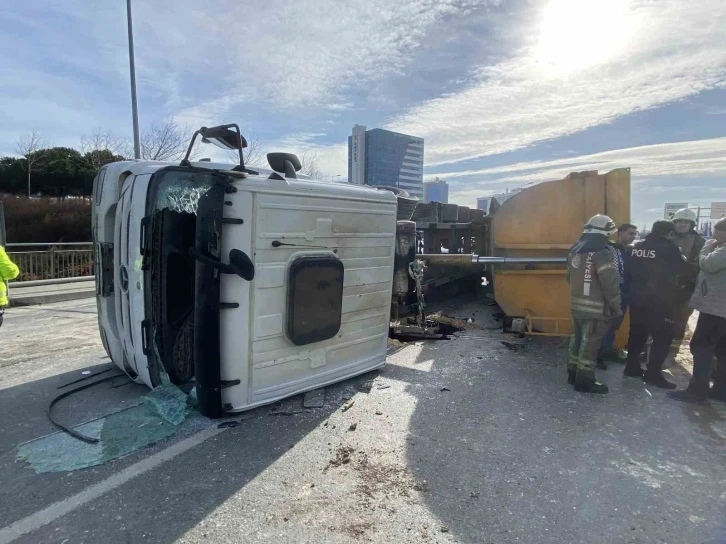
[66, 506]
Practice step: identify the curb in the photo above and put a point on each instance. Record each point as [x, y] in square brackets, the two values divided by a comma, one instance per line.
[49, 293]
[31, 300]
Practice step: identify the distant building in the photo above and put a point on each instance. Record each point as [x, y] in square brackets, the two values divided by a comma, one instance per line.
[382, 157]
[436, 191]
[485, 202]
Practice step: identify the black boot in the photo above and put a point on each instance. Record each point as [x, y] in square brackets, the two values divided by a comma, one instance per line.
[693, 394]
[633, 370]
[658, 380]
[588, 384]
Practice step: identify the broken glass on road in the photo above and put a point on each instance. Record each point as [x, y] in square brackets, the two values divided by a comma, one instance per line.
[155, 418]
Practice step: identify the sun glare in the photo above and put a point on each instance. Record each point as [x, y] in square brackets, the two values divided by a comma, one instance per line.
[577, 34]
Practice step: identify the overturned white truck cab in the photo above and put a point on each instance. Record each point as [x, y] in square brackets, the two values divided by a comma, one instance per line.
[254, 283]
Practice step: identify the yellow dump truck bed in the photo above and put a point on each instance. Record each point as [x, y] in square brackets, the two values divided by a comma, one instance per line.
[544, 221]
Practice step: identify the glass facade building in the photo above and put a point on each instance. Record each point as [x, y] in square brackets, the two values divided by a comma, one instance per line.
[382, 157]
[436, 191]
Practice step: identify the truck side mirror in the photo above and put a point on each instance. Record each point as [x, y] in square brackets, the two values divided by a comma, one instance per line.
[285, 163]
[239, 263]
[242, 264]
[223, 137]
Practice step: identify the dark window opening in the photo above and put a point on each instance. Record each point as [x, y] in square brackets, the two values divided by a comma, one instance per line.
[315, 300]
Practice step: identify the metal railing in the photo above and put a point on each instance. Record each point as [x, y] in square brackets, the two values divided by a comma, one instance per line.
[60, 260]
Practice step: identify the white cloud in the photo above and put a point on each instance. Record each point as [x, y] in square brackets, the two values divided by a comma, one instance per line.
[682, 171]
[310, 52]
[329, 158]
[577, 74]
[580, 64]
[700, 157]
[644, 54]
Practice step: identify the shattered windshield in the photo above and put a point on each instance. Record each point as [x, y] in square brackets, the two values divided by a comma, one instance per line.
[180, 191]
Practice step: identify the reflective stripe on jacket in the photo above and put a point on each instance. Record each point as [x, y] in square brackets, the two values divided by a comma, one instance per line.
[8, 271]
[594, 285]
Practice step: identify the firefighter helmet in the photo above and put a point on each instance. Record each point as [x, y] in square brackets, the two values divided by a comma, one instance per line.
[600, 224]
[685, 215]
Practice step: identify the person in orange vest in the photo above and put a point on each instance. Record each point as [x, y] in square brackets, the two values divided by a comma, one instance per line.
[8, 271]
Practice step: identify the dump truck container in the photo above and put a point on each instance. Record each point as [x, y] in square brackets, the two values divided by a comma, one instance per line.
[545, 221]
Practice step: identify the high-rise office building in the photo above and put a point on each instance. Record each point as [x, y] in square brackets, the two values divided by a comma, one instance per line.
[436, 191]
[382, 157]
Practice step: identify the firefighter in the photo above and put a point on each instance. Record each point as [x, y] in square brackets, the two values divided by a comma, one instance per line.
[657, 273]
[690, 243]
[594, 301]
[8, 271]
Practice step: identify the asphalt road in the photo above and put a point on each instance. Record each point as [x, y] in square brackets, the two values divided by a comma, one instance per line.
[465, 440]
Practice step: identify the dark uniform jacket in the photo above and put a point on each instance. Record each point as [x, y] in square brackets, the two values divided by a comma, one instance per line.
[658, 274]
[593, 276]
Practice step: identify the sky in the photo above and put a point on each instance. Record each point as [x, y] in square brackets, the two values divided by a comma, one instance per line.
[504, 93]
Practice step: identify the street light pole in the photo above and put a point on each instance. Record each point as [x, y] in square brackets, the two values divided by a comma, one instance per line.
[132, 70]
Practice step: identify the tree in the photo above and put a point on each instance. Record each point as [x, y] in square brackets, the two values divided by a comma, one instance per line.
[97, 158]
[310, 167]
[165, 141]
[253, 153]
[12, 175]
[65, 172]
[101, 147]
[31, 146]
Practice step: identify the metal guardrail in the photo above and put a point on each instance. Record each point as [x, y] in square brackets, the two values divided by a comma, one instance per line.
[61, 260]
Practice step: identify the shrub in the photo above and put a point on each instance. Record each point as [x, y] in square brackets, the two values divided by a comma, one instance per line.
[38, 220]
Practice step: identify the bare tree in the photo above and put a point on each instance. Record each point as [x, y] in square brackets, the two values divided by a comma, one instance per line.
[94, 144]
[253, 153]
[310, 167]
[30, 146]
[165, 141]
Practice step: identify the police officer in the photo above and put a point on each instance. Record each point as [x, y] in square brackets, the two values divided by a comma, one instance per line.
[657, 273]
[594, 301]
[8, 271]
[690, 243]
